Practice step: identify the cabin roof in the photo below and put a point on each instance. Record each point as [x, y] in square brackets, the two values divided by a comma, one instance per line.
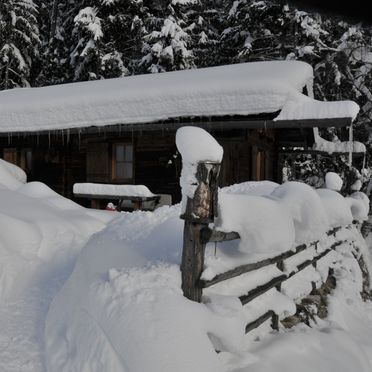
[244, 89]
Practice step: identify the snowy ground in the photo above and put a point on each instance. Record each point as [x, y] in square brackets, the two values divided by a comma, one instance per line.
[82, 290]
[41, 234]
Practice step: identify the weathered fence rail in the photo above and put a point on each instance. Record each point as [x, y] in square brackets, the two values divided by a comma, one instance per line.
[200, 212]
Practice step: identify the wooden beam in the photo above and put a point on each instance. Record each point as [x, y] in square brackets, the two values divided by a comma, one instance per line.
[250, 267]
[256, 323]
[213, 236]
[261, 289]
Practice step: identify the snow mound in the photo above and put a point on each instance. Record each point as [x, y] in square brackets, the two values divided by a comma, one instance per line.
[333, 181]
[37, 225]
[11, 176]
[258, 188]
[204, 149]
[196, 145]
[124, 292]
[305, 207]
[337, 208]
[359, 205]
[252, 217]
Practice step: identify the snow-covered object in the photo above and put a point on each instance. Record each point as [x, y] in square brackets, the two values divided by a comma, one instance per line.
[107, 189]
[359, 205]
[37, 225]
[11, 176]
[17, 172]
[321, 144]
[305, 207]
[336, 207]
[300, 106]
[195, 145]
[356, 186]
[333, 181]
[239, 89]
[258, 188]
[129, 294]
[265, 227]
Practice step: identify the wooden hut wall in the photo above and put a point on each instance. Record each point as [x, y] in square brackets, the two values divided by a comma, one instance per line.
[60, 161]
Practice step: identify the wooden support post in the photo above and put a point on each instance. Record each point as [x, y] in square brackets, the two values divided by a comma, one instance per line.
[95, 204]
[200, 211]
[275, 322]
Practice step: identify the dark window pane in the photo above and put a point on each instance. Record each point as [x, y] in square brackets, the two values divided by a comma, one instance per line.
[124, 170]
[120, 170]
[120, 153]
[128, 153]
[128, 170]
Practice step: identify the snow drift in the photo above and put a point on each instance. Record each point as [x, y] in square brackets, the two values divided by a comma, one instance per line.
[124, 293]
[36, 226]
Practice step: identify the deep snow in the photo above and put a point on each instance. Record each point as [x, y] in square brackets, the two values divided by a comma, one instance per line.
[122, 309]
[41, 234]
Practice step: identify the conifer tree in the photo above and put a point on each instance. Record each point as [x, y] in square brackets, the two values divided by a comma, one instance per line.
[19, 39]
[166, 45]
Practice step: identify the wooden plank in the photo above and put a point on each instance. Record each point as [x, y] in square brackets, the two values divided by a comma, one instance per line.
[251, 267]
[258, 291]
[256, 323]
[282, 278]
[212, 236]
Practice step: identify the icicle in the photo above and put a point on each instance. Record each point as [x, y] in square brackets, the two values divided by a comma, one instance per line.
[351, 145]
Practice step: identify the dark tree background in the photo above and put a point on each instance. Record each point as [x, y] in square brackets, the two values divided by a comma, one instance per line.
[59, 41]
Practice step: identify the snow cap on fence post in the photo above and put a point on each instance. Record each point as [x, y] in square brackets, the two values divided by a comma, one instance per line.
[333, 181]
[201, 159]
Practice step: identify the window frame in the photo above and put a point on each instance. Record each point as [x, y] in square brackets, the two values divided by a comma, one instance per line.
[115, 162]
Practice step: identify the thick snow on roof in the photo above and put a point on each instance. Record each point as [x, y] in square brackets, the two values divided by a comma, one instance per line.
[240, 89]
[300, 107]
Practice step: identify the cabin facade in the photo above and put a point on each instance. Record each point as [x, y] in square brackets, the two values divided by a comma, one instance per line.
[122, 131]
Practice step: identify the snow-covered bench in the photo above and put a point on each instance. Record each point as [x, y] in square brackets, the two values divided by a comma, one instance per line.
[134, 196]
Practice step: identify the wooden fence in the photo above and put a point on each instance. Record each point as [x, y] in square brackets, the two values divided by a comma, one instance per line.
[200, 211]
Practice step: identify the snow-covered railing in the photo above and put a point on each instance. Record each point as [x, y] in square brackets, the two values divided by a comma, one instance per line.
[278, 280]
[200, 208]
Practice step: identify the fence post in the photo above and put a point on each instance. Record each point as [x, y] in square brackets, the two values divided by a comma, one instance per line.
[201, 210]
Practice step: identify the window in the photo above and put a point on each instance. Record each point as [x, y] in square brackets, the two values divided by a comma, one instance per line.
[122, 165]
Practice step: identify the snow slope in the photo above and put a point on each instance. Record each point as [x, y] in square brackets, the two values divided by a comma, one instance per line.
[41, 234]
[122, 308]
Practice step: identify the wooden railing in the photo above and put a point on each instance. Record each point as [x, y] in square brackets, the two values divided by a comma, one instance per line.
[200, 211]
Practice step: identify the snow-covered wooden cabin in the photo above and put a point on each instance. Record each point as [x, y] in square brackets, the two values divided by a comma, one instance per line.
[123, 130]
